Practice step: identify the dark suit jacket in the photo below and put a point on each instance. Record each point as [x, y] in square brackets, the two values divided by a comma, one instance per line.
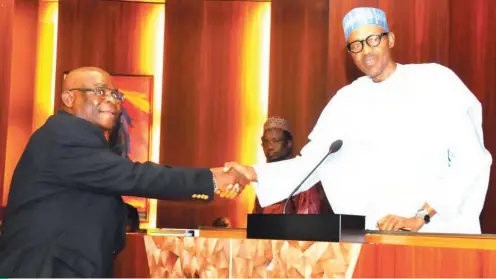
[65, 217]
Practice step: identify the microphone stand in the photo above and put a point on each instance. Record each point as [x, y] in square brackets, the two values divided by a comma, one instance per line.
[335, 146]
[303, 181]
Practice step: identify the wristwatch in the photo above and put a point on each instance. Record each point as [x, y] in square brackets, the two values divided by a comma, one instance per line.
[423, 214]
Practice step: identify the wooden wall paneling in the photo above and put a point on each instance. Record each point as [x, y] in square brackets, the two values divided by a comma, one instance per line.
[473, 57]
[6, 33]
[298, 85]
[22, 85]
[208, 93]
[78, 38]
[181, 81]
[106, 34]
[489, 113]
[182, 77]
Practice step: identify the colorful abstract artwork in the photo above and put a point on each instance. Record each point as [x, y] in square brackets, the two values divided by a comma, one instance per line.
[135, 126]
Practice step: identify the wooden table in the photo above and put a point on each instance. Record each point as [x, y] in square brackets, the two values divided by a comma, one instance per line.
[226, 253]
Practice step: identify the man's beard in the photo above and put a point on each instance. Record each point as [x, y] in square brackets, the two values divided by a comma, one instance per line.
[280, 158]
[276, 159]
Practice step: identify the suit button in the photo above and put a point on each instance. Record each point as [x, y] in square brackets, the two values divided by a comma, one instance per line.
[205, 197]
[194, 196]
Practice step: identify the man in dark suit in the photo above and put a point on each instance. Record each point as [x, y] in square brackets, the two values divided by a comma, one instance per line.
[65, 216]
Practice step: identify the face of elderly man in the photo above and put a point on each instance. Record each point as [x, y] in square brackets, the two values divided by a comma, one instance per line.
[370, 47]
[369, 42]
[90, 94]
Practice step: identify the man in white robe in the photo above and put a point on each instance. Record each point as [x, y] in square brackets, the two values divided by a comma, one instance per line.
[413, 156]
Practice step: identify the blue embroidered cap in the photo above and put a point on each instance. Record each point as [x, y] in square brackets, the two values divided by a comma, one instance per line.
[359, 17]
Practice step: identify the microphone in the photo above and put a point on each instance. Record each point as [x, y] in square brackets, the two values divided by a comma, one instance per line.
[335, 146]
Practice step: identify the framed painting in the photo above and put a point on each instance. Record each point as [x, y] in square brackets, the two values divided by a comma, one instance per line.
[136, 124]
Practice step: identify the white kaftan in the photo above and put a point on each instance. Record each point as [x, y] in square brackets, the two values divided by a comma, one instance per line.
[414, 138]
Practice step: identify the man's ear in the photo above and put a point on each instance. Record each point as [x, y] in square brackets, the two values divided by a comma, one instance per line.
[68, 99]
[391, 39]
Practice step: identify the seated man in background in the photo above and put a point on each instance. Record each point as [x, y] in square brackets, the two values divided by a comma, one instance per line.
[277, 143]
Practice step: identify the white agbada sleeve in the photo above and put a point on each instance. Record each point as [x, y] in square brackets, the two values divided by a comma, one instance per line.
[469, 161]
[277, 180]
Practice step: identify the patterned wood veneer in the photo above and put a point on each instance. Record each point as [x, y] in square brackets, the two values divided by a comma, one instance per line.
[173, 257]
[293, 259]
[180, 257]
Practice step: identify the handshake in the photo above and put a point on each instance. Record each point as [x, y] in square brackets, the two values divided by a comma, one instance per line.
[232, 179]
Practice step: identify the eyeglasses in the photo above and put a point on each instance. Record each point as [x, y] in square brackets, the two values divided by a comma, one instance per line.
[372, 41]
[102, 92]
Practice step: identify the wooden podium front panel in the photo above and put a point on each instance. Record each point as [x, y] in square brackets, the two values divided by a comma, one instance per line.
[253, 258]
[399, 261]
[427, 255]
[207, 257]
[190, 257]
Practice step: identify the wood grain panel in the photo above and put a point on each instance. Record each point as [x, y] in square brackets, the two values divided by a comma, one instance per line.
[22, 85]
[473, 58]
[400, 261]
[106, 34]
[223, 233]
[205, 99]
[298, 86]
[182, 80]
[78, 39]
[427, 255]
[6, 31]
[436, 240]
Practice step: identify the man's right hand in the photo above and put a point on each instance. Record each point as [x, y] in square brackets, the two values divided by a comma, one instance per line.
[230, 183]
[247, 171]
